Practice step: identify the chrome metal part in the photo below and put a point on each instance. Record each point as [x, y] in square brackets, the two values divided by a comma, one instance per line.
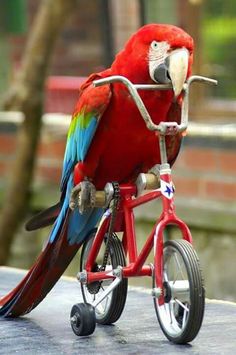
[156, 292]
[153, 86]
[82, 277]
[118, 272]
[162, 145]
[109, 192]
[165, 169]
[180, 290]
[155, 170]
[185, 105]
[108, 290]
[141, 183]
[226, 131]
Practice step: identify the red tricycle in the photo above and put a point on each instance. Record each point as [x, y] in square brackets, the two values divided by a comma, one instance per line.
[177, 283]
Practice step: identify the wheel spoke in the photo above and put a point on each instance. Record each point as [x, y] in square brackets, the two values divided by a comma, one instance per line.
[182, 305]
[171, 310]
[179, 267]
[184, 312]
[184, 318]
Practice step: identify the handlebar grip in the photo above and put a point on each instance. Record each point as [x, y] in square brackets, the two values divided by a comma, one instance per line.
[100, 199]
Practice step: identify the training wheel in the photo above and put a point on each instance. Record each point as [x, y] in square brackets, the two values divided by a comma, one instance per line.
[82, 319]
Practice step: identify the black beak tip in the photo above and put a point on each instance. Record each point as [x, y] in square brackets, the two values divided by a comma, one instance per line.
[161, 74]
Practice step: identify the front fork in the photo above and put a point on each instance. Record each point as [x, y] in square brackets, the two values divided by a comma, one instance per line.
[168, 218]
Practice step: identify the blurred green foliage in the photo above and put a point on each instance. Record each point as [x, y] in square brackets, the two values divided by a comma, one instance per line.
[219, 45]
[13, 21]
[13, 16]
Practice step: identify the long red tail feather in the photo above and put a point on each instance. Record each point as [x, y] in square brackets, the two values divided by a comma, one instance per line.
[40, 279]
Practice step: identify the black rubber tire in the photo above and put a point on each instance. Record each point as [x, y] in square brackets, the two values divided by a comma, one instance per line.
[82, 319]
[196, 294]
[118, 295]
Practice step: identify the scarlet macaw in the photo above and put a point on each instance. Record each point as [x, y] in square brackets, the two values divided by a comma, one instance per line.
[108, 141]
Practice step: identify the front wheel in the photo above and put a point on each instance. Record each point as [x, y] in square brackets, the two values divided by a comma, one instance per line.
[180, 314]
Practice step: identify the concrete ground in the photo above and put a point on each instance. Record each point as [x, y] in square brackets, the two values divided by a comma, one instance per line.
[46, 330]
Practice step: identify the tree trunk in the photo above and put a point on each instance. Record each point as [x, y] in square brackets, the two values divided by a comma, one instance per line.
[190, 15]
[26, 95]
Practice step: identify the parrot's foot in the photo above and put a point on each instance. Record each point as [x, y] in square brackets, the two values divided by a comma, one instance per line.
[83, 196]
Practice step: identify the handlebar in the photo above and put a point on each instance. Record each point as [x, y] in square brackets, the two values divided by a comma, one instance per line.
[164, 128]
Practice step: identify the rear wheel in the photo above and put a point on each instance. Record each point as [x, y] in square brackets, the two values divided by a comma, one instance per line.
[180, 315]
[111, 308]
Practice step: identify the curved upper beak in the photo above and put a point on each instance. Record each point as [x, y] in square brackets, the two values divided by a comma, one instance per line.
[178, 69]
[174, 70]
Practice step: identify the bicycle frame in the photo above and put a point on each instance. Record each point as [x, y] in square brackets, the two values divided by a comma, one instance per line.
[125, 223]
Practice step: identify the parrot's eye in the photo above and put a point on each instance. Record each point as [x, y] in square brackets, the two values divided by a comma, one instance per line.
[154, 45]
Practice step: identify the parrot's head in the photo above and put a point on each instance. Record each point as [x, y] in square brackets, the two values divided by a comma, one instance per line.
[157, 53]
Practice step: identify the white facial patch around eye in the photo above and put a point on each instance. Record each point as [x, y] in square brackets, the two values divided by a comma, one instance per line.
[156, 55]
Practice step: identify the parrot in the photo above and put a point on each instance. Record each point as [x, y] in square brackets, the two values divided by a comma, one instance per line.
[107, 141]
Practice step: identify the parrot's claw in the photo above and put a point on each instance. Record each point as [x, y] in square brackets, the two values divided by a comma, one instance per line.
[83, 196]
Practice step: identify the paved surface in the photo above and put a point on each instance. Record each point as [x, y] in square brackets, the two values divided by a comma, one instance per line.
[46, 330]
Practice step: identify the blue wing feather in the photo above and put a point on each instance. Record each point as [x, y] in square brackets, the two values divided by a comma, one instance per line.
[79, 139]
[77, 146]
[91, 105]
[87, 136]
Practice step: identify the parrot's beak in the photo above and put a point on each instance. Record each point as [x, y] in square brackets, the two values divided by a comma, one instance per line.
[174, 70]
[178, 69]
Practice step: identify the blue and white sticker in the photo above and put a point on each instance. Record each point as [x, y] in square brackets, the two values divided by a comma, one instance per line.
[167, 189]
